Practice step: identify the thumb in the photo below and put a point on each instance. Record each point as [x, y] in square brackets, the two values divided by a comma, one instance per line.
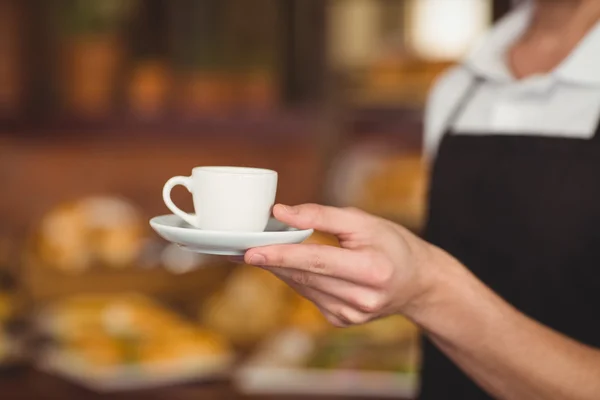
[336, 221]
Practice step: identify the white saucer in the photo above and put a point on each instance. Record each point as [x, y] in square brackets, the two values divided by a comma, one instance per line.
[172, 228]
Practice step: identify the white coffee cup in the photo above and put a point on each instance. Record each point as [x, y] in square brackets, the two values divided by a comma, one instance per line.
[227, 198]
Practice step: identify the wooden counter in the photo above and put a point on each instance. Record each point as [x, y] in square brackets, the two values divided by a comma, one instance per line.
[30, 384]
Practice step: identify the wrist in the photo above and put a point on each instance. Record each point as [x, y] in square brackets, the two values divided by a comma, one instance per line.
[454, 305]
[440, 279]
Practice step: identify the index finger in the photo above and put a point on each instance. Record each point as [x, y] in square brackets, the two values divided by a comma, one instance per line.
[331, 261]
[337, 221]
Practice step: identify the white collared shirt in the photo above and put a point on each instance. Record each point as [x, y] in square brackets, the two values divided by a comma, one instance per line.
[564, 102]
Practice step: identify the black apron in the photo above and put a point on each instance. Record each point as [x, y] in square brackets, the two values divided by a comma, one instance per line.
[522, 212]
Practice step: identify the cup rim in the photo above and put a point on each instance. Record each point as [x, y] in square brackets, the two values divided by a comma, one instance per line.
[234, 170]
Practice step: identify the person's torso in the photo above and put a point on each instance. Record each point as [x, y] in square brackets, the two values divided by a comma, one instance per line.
[522, 211]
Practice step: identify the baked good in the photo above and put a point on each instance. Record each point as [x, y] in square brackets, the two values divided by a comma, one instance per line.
[118, 330]
[252, 304]
[95, 230]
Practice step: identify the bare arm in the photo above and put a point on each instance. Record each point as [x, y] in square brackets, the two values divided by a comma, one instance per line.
[382, 269]
[508, 354]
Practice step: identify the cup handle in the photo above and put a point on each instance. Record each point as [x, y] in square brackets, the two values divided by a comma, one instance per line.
[171, 183]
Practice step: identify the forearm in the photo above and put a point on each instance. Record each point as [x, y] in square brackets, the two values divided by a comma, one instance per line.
[507, 353]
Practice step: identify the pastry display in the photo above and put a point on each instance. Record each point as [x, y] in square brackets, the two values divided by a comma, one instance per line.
[96, 230]
[252, 304]
[305, 316]
[306, 355]
[98, 340]
[397, 189]
[379, 359]
[391, 184]
[389, 344]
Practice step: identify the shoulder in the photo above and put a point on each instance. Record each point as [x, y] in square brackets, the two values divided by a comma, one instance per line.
[447, 90]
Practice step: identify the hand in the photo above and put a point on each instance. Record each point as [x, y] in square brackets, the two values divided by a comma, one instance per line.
[380, 269]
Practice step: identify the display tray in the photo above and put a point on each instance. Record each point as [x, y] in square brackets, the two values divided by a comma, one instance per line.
[114, 343]
[279, 368]
[133, 377]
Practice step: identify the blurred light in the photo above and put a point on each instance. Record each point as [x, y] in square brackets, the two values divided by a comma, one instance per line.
[179, 261]
[354, 32]
[444, 30]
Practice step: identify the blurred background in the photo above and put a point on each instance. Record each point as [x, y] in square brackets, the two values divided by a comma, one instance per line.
[101, 101]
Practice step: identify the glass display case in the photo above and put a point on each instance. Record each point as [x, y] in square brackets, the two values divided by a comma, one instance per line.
[386, 55]
[114, 60]
[101, 101]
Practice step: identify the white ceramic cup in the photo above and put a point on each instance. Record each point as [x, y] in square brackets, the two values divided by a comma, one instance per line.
[226, 198]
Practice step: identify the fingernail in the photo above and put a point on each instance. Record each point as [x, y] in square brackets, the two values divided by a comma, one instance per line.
[258, 259]
[289, 209]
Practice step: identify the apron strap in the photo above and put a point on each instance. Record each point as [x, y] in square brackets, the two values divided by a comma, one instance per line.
[596, 137]
[463, 102]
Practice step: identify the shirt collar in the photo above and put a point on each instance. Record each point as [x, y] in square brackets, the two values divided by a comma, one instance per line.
[583, 64]
[488, 59]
